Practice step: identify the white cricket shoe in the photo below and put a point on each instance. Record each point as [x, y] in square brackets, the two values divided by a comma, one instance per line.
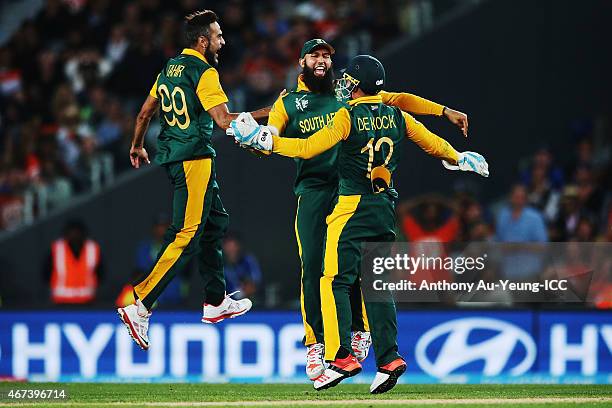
[338, 370]
[315, 361]
[387, 375]
[228, 309]
[361, 342]
[136, 319]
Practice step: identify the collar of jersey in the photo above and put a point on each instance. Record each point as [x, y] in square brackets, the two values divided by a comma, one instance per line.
[366, 99]
[194, 53]
[301, 85]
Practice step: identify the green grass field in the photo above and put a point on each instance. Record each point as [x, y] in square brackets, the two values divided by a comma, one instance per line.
[299, 395]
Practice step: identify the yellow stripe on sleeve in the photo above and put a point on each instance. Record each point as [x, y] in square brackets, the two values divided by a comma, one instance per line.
[153, 91]
[412, 103]
[278, 115]
[326, 138]
[336, 221]
[431, 143]
[209, 89]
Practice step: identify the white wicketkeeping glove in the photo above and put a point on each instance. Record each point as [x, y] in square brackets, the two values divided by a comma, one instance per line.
[249, 134]
[242, 126]
[470, 161]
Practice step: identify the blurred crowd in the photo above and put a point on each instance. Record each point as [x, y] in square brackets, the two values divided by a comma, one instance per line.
[72, 78]
[549, 201]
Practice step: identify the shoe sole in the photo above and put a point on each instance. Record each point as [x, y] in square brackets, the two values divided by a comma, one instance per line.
[223, 317]
[128, 323]
[340, 379]
[391, 381]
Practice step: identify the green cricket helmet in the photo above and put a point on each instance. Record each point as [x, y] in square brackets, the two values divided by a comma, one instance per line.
[363, 71]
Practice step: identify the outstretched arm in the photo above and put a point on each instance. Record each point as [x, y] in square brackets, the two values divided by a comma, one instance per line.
[222, 116]
[326, 138]
[438, 147]
[431, 143]
[421, 106]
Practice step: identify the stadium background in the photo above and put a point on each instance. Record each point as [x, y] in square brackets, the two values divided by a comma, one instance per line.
[533, 77]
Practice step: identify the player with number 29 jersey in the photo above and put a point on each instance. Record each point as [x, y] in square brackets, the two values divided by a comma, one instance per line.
[186, 88]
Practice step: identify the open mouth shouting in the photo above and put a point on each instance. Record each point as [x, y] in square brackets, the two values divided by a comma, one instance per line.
[320, 70]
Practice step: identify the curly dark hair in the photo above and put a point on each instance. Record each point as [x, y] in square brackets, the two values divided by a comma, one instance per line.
[197, 24]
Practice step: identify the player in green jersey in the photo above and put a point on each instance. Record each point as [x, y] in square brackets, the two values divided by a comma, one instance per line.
[190, 98]
[370, 132]
[300, 113]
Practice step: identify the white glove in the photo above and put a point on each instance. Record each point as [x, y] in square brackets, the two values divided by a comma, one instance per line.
[469, 161]
[242, 126]
[247, 133]
[247, 118]
[262, 141]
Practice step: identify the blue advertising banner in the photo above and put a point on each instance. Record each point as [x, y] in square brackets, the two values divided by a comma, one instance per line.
[440, 346]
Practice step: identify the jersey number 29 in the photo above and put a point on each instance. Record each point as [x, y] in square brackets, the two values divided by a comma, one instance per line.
[170, 109]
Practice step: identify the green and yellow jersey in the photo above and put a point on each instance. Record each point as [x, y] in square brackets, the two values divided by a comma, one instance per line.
[371, 132]
[300, 113]
[187, 88]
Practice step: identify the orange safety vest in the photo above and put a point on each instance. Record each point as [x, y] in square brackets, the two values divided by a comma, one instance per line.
[74, 280]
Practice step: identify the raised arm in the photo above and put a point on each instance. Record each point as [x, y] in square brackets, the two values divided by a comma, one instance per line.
[420, 106]
[324, 139]
[411, 103]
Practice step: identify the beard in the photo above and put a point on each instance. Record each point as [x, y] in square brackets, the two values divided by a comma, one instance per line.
[320, 85]
[211, 57]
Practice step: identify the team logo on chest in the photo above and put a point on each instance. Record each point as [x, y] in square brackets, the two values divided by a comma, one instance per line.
[301, 103]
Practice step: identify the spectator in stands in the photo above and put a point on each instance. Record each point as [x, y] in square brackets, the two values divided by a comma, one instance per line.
[69, 135]
[241, 268]
[86, 69]
[117, 45]
[470, 214]
[591, 196]
[541, 195]
[566, 222]
[585, 230]
[518, 222]
[606, 235]
[543, 161]
[55, 188]
[428, 218]
[429, 222]
[74, 266]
